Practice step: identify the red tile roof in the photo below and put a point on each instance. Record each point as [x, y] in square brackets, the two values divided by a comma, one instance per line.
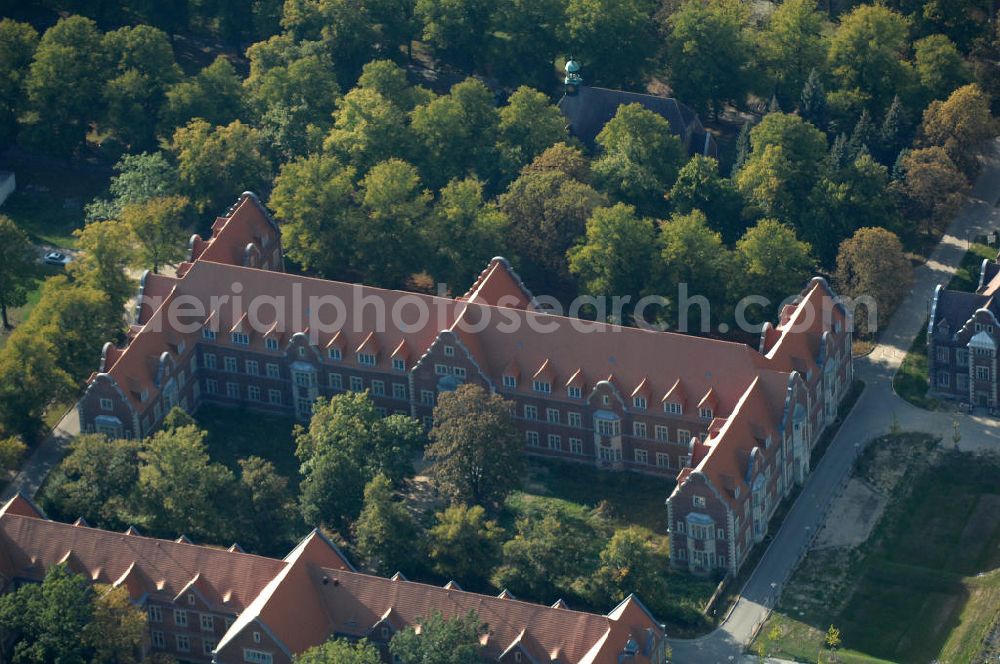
[228, 581]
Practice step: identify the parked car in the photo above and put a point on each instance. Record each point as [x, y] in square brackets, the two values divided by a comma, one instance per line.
[56, 258]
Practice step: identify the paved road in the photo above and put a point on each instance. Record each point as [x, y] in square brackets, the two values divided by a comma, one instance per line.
[872, 415]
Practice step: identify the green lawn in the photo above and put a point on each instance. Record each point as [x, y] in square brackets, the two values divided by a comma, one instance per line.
[911, 380]
[235, 434]
[967, 276]
[925, 586]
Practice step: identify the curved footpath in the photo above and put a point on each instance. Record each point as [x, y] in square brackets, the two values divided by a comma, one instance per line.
[872, 416]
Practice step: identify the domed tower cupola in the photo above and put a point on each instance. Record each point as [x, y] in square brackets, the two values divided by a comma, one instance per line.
[573, 80]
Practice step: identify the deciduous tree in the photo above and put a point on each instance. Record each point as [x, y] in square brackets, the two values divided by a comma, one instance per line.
[708, 53]
[17, 267]
[529, 124]
[699, 186]
[464, 230]
[65, 83]
[940, 67]
[180, 489]
[440, 641]
[106, 252]
[476, 453]
[776, 263]
[457, 133]
[94, 481]
[142, 68]
[548, 210]
[30, 379]
[395, 204]
[139, 178]
[265, 508]
[464, 545]
[871, 264]
[614, 39]
[18, 42]
[214, 94]
[639, 158]
[867, 54]
[340, 651]
[791, 46]
[385, 533]
[315, 198]
[215, 164]
[618, 256]
[158, 226]
[960, 125]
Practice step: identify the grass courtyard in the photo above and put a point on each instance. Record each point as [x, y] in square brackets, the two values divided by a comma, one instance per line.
[925, 587]
[606, 501]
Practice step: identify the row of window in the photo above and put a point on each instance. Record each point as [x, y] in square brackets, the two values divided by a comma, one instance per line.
[554, 442]
[205, 620]
[607, 427]
[575, 392]
[182, 642]
[254, 392]
[962, 379]
[335, 381]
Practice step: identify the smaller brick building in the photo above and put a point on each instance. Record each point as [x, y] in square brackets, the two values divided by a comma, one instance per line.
[963, 331]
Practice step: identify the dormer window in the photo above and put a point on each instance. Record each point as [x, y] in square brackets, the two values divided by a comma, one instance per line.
[510, 382]
[207, 334]
[542, 386]
[705, 413]
[574, 392]
[366, 359]
[672, 408]
[271, 344]
[399, 364]
[639, 402]
[241, 338]
[334, 354]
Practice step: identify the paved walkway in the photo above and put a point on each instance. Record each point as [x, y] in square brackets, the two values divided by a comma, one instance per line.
[44, 458]
[872, 416]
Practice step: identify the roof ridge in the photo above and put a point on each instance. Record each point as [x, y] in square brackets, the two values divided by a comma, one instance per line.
[489, 598]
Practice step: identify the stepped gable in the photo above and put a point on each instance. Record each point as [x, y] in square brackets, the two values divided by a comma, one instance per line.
[727, 451]
[246, 225]
[498, 284]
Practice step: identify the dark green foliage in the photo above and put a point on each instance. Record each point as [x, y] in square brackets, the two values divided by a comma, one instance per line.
[812, 103]
[441, 640]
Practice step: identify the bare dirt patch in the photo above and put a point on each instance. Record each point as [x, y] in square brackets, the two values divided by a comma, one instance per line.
[852, 517]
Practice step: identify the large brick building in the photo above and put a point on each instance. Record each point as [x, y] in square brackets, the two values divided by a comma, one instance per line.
[205, 604]
[734, 424]
[963, 331]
